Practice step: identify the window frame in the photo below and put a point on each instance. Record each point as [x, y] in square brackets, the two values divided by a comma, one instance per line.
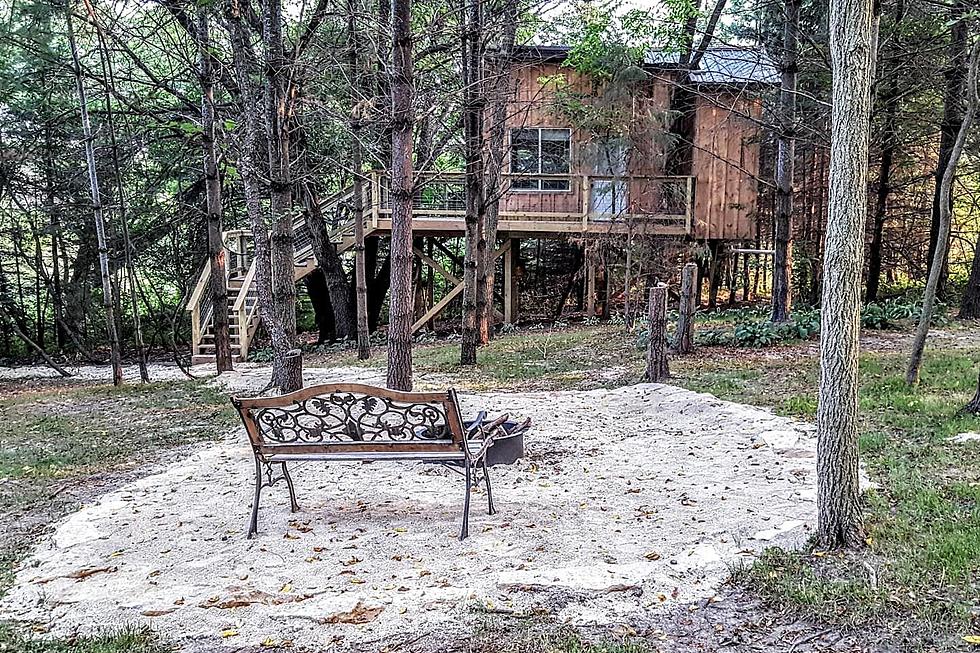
[537, 176]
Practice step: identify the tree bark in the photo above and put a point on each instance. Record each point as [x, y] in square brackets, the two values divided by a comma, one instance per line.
[327, 257]
[684, 343]
[473, 149]
[889, 145]
[216, 246]
[970, 303]
[782, 277]
[108, 293]
[285, 375]
[499, 86]
[657, 370]
[402, 188]
[956, 71]
[839, 520]
[357, 205]
[945, 224]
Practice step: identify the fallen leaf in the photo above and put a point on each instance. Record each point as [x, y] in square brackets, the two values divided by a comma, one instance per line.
[231, 632]
[653, 555]
[361, 614]
[80, 574]
[157, 613]
[241, 599]
[972, 639]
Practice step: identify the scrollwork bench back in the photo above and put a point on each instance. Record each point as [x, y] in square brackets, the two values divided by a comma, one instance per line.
[338, 422]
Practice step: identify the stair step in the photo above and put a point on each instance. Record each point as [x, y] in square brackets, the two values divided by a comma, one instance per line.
[209, 349]
[203, 359]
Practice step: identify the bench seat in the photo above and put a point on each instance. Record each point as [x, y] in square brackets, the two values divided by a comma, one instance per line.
[356, 422]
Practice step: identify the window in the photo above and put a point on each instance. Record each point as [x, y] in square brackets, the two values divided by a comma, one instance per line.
[540, 151]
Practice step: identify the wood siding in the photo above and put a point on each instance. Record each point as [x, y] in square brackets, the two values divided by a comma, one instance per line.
[726, 164]
[725, 160]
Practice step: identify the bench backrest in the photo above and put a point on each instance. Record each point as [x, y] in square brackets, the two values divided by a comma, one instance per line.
[352, 417]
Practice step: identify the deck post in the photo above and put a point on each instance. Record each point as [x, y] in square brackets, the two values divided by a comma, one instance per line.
[375, 198]
[590, 272]
[511, 294]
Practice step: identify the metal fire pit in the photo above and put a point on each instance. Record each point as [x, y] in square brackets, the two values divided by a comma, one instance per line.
[506, 449]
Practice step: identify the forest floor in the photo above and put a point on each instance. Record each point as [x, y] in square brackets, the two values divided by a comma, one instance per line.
[71, 442]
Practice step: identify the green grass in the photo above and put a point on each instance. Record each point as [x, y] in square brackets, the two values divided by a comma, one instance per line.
[535, 359]
[542, 635]
[127, 640]
[55, 432]
[54, 435]
[923, 522]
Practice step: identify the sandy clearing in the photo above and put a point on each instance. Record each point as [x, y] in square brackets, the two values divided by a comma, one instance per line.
[629, 500]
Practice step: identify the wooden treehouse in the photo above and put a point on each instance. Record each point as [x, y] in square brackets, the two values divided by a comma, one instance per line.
[561, 179]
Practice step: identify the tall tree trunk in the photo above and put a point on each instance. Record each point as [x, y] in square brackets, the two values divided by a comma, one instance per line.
[327, 257]
[128, 263]
[115, 353]
[889, 145]
[216, 246]
[400, 307]
[473, 149]
[357, 205]
[782, 276]
[286, 369]
[250, 168]
[970, 303]
[956, 71]
[945, 223]
[838, 502]
[499, 87]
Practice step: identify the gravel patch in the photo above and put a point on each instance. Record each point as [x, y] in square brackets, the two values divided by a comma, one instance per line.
[630, 501]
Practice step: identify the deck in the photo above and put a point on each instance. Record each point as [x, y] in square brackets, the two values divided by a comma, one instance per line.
[579, 204]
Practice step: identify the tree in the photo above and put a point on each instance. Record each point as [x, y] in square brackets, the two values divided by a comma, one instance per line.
[472, 60]
[401, 303]
[945, 223]
[216, 246]
[357, 164]
[782, 275]
[108, 292]
[891, 95]
[839, 520]
[955, 73]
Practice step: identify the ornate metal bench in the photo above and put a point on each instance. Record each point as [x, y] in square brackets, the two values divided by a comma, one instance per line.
[345, 422]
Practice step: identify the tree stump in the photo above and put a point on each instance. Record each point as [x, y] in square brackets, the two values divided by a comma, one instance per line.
[657, 370]
[292, 371]
[684, 343]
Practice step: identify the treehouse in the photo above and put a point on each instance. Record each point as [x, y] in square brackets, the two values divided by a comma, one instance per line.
[666, 152]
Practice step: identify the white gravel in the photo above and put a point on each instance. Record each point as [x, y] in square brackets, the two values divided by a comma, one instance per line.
[628, 500]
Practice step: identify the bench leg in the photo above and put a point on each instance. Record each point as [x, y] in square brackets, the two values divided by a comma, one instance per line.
[289, 484]
[466, 504]
[253, 522]
[486, 477]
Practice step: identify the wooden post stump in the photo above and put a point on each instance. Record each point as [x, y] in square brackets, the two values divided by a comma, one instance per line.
[684, 343]
[292, 371]
[657, 370]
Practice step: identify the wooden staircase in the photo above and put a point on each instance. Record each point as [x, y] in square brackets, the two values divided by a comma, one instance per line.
[243, 316]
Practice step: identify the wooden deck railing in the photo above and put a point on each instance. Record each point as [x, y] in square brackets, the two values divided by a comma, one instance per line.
[578, 203]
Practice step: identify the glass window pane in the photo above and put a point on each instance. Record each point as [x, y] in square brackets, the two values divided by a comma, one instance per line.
[524, 150]
[524, 184]
[554, 184]
[555, 151]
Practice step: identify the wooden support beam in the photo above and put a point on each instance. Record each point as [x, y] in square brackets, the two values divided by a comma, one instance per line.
[451, 295]
[435, 265]
[590, 272]
[511, 295]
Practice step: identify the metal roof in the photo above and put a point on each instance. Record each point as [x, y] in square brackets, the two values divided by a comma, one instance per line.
[721, 65]
[725, 65]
